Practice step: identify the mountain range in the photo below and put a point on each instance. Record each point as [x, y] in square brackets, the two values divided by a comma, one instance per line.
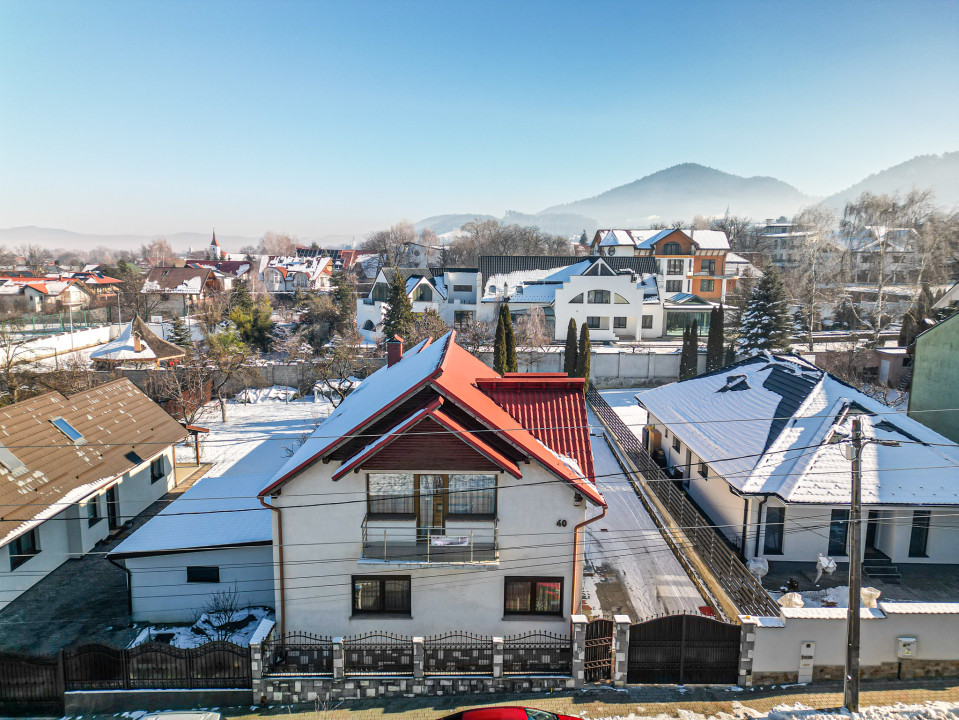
[676, 193]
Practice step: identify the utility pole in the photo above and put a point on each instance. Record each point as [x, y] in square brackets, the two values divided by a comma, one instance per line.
[851, 683]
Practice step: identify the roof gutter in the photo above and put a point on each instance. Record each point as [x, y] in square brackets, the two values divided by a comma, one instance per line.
[577, 565]
[279, 558]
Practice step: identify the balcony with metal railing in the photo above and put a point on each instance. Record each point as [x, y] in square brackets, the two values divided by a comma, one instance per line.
[469, 540]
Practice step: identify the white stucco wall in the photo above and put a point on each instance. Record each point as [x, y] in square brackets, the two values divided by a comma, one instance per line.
[323, 547]
[936, 633]
[160, 591]
[621, 285]
[69, 533]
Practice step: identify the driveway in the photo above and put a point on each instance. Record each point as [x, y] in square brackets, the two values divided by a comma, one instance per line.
[626, 547]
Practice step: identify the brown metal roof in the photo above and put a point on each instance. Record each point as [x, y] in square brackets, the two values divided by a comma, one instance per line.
[121, 427]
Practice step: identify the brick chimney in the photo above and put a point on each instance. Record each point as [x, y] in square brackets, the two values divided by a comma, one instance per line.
[394, 350]
[137, 343]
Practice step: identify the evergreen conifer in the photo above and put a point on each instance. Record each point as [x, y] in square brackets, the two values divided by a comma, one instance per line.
[715, 339]
[511, 365]
[582, 355]
[180, 333]
[689, 357]
[571, 353]
[499, 346]
[398, 319]
[765, 322]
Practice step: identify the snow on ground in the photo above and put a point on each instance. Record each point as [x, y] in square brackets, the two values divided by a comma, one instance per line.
[237, 629]
[253, 438]
[930, 710]
[625, 405]
[632, 544]
[267, 394]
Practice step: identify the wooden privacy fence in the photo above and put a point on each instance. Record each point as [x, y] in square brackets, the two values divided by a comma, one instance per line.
[730, 572]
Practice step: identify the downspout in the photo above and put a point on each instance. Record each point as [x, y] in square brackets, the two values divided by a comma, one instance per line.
[576, 564]
[743, 543]
[126, 570]
[759, 517]
[279, 544]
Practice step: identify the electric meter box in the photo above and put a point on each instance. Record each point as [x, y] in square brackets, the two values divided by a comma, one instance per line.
[907, 647]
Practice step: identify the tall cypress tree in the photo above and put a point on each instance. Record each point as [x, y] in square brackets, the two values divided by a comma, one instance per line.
[511, 365]
[714, 342]
[765, 322]
[499, 346]
[582, 355]
[399, 318]
[571, 354]
[689, 358]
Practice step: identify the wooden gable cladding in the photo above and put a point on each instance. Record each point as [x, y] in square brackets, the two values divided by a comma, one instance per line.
[429, 446]
[369, 433]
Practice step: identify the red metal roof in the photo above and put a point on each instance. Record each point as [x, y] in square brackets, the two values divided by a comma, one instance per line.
[552, 407]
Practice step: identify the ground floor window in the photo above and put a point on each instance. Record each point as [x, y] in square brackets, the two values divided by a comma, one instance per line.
[647, 322]
[23, 548]
[592, 322]
[775, 526]
[202, 574]
[838, 532]
[534, 596]
[619, 323]
[157, 470]
[919, 537]
[93, 511]
[676, 322]
[381, 595]
[462, 317]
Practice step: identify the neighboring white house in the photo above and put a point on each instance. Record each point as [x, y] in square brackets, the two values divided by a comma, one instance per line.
[616, 304]
[756, 444]
[214, 538]
[452, 292]
[287, 274]
[72, 471]
[422, 505]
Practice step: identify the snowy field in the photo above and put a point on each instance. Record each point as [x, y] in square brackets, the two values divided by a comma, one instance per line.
[931, 710]
[628, 541]
[255, 436]
[624, 403]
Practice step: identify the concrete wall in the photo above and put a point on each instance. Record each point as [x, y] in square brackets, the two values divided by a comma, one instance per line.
[52, 345]
[776, 649]
[935, 379]
[323, 549]
[161, 594]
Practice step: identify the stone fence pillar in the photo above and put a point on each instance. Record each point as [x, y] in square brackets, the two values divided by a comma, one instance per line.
[747, 644]
[579, 623]
[498, 644]
[620, 649]
[338, 660]
[419, 658]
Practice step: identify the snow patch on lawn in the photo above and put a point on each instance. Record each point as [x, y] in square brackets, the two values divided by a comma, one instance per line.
[277, 393]
[243, 625]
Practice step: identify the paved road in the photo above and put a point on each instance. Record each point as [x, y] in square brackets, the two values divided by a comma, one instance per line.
[632, 545]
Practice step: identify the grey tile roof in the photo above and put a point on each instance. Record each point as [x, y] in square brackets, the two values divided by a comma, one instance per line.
[490, 265]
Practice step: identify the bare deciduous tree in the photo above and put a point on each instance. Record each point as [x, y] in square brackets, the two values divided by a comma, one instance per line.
[816, 281]
[390, 244]
[274, 243]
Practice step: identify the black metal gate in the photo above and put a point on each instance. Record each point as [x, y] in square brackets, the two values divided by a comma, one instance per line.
[30, 685]
[599, 650]
[678, 649]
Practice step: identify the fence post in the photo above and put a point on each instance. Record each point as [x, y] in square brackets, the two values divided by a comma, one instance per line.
[61, 676]
[338, 659]
[256, 669]
[747, 644]
[579, 623]
[620, 649]
[498, 644]
[419, 658]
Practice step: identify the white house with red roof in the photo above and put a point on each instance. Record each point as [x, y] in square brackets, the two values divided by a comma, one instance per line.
[438, 496]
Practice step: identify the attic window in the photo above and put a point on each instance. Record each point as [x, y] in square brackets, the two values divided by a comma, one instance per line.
[11, 462]
[734, 382]
[134, 458]
[67, 429]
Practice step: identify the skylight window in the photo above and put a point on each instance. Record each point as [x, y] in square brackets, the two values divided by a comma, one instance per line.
[67, 429]
[11, 462]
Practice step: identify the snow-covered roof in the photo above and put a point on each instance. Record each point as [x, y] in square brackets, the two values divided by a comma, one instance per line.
[123, 347]
[705, 239]
[215, 512]
[711, 239]
[760, 424]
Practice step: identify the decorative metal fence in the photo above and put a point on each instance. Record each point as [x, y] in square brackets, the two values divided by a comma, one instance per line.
[727, 568]
[598, 661]
[298, 654]
[378, 653]
[537, 653]
[29, 684]
[157, 666]
[458, 653]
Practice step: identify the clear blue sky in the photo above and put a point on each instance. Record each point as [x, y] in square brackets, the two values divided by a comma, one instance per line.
[333, 118]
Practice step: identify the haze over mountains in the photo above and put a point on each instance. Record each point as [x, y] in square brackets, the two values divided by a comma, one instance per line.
[676, 193]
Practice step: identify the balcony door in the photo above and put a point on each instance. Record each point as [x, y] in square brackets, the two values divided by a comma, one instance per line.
[431, 506]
